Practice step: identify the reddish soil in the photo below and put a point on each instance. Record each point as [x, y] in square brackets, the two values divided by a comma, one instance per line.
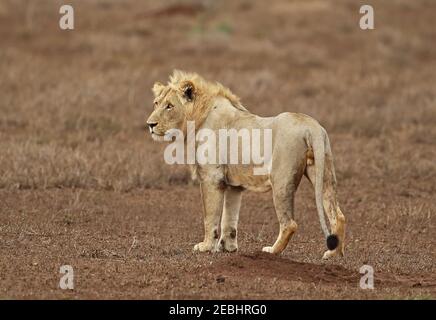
[138, 245]
[83, 184]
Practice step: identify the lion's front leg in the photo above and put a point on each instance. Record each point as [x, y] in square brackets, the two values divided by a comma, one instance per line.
[212, 198]
[229, 221]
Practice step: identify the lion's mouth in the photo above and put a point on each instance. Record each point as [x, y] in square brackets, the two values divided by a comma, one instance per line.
[154, 133]
[157, 136]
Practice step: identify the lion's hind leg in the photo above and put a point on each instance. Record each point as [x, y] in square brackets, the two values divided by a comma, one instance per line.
[331, 206]
[284, 188]
[337, 222]
[284, 209]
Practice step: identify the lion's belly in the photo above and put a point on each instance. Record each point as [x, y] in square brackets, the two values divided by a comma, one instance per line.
[242, 176]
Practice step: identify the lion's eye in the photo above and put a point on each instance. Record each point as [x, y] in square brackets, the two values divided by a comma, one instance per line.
[169, 106]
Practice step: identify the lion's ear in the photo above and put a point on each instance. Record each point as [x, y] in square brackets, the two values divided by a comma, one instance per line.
[188, 90]
[157, 88]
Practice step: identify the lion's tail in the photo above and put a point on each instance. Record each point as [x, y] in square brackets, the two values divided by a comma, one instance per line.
[319, 148]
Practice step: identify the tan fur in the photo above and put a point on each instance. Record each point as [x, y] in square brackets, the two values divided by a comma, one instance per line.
[300, 147]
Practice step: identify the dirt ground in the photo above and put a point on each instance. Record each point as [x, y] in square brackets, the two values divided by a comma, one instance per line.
[83, 184]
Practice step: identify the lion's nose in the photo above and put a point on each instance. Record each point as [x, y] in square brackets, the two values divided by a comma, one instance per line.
[151, 125]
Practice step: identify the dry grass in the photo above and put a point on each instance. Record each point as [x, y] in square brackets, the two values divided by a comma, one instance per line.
[73, 107]
[74, 103]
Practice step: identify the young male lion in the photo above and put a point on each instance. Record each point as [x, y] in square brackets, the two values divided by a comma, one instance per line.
[300, 146]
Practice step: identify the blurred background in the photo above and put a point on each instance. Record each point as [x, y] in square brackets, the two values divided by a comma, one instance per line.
[74, 103]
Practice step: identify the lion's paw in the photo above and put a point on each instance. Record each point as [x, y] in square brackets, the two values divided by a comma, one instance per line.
[227, 246]
[328, 254]
[204, 247]
[268, 249]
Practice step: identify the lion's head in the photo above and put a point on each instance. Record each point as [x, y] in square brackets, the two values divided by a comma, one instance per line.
[171, 103]
[186, 97]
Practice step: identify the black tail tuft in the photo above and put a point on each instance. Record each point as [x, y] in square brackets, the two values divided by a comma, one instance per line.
[332, 241]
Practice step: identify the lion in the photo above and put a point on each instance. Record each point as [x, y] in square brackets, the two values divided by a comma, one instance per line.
[300, 146]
